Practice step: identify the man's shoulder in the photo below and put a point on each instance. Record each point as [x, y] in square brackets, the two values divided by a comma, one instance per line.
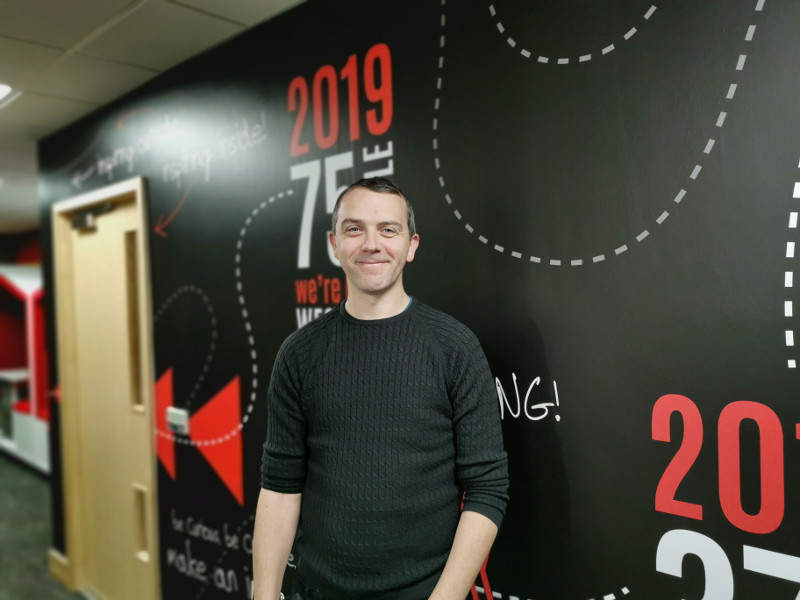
[442, 324]
[310, 332]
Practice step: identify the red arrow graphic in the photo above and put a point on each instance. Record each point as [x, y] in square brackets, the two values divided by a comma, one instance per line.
[165, 446]
[215, 431]
[163, 221]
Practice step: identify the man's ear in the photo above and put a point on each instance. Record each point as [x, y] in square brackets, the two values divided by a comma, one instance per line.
[332, 240]
[412, 247]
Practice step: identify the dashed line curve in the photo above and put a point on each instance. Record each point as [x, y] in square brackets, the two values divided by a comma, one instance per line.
[571, 261]
[624, 591]
[583, 58]
[250, 338]
[212, 344]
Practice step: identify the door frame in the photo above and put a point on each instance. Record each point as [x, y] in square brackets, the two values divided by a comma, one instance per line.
[70, 568]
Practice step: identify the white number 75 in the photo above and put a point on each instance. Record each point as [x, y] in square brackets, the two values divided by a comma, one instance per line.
[312, 171]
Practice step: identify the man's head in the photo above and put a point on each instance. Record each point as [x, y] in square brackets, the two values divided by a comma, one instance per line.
[382, 186]
[373, 238]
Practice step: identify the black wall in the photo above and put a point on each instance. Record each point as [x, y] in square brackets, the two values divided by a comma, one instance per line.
[605, 193]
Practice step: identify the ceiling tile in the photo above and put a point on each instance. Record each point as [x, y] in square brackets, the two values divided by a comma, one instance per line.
[22, 62]
[91, 80]
[160, 35]
[247, 12]
[33, 116]
[55, 22]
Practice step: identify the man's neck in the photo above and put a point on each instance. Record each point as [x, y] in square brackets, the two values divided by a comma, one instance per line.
[369, 308]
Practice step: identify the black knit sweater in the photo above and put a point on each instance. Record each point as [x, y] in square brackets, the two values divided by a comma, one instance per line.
[383, 425]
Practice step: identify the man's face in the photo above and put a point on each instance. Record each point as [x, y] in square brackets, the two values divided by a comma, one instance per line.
[372, 241]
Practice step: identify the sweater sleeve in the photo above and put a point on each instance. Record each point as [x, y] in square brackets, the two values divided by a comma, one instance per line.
[283, 464]
[481, 460]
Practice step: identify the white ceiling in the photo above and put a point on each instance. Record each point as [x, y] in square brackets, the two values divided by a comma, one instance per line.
[66, 58]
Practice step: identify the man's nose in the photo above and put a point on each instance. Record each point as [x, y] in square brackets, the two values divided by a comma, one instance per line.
[371, 240]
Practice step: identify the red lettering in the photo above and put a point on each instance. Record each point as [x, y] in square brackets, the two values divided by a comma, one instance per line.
[327, 290]
[305, 291]
[334, 290]
[322, 98]
[770, 516]
[685, 456]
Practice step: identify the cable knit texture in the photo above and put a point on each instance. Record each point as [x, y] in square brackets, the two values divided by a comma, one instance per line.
[383, 425]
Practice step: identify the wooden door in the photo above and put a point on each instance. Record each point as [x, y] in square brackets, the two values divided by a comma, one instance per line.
[105, 368]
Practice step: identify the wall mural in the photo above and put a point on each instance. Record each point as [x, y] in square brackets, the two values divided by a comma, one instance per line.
[607, 194]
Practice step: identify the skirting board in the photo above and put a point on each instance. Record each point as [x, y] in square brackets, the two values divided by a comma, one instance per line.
[60, 568]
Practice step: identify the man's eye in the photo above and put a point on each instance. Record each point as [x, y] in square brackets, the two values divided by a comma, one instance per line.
[352, 229]
[389, 232]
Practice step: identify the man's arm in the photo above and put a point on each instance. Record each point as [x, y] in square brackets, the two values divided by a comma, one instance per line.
[277, 516]
[473, 540]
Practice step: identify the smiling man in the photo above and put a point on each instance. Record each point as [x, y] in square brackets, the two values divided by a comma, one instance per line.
[382, 421]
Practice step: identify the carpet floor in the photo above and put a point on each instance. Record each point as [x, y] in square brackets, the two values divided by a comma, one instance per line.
[25, 535]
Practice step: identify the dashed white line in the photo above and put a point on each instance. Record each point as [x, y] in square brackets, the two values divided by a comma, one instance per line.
[788, 276]
[524, 52]
[250, 339]
[212, 343]
[495, 594]
[709, 146]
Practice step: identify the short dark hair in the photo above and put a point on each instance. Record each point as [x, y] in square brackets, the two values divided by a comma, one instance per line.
[382, 186]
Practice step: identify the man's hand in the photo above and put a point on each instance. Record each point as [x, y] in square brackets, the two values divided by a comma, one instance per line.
[473, 540]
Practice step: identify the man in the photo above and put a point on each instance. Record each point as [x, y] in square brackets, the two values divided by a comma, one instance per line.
[382, 420]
